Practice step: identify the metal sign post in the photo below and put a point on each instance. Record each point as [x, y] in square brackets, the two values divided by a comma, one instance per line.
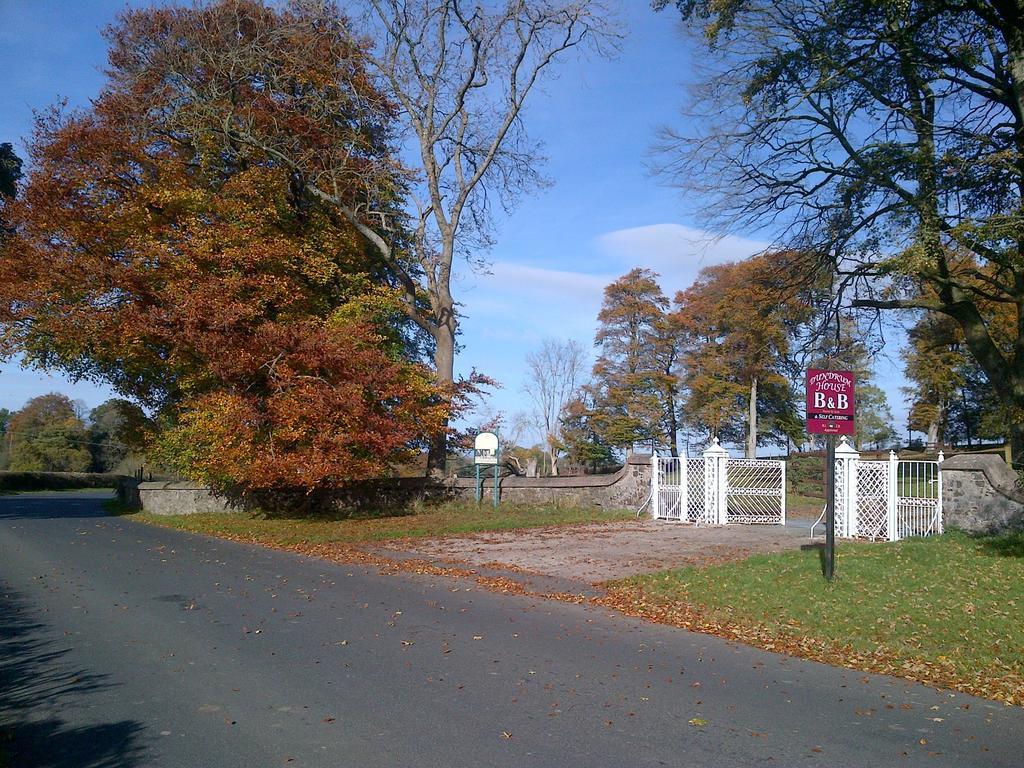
[830, 509]
[830, 410]
[486, 451]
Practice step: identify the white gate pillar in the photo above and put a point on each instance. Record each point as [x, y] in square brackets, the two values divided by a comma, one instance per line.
[655, 490]
[716, 483]
[938, 490]
[847, 459]
[684, 489]
[892, 502]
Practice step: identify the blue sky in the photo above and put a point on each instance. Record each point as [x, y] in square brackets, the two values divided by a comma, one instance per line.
[604, 215]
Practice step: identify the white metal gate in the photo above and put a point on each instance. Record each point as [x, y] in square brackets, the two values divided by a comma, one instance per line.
[918, 498]
[716, 489]
[669, 489]
[680, 489]
[886, 500]
[756, 491]
[871, 504]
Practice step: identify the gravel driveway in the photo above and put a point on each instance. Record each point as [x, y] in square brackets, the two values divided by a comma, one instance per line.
[595, 553]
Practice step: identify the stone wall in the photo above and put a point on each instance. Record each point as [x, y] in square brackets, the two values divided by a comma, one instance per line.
[128, 492]
[626, 489]
[979, 494]
[181, 498]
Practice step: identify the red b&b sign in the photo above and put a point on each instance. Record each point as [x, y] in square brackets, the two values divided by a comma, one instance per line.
[829, 402]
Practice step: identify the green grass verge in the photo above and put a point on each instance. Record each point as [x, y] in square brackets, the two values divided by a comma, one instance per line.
[442, 520]
[943, 609]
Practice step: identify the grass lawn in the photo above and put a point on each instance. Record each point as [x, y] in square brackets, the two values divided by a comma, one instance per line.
[944, 610]
[441, 520]
[803, 506]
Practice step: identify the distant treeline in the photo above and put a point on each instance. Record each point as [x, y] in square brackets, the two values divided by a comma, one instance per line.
[54, 434]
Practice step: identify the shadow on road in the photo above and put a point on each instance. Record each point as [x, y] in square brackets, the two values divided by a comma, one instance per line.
[52, 506]
[35, 679]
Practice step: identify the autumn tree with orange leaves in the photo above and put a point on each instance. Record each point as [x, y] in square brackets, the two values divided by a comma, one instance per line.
[208, 285]
[633, 392]
[736, 326]
[451, 80]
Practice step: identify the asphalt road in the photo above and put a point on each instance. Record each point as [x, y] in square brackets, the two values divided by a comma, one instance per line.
[125, 645]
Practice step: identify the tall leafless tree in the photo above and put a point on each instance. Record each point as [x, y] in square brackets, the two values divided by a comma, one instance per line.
[461, 74]
[553, 373]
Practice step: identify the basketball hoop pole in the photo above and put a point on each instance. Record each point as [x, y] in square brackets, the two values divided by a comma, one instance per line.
[496, 465]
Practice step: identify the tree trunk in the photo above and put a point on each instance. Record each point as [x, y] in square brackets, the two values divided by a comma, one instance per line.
[967, 417]
[1017, 446]
[444, 374]
[932, 440]
[673, 427]
[752, 421]
[553, 458]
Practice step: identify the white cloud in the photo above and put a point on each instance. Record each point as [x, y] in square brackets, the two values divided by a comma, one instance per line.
[517, 301]
[676, 252]
[517, 280]
[510, 310]
[527, 303]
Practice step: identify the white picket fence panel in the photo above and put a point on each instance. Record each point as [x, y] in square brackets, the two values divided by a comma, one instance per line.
[716, 489]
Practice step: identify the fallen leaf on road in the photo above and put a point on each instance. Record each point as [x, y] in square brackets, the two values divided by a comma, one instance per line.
[698, 721]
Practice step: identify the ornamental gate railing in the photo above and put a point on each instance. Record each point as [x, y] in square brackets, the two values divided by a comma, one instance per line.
[678, 489]
[716, 489]
[879, 500]
[886, 500]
